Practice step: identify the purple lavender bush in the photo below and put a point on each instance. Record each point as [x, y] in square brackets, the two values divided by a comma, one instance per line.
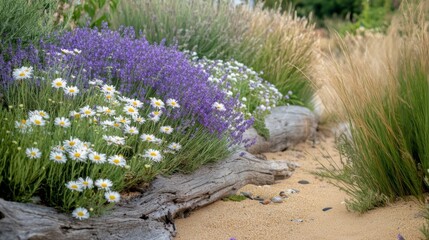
[139, 69]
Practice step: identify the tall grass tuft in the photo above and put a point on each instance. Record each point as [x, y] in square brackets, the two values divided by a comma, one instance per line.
[383, 86]
[279, 44]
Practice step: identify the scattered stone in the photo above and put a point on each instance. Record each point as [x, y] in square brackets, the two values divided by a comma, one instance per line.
[258, 198]
[400, 237]
[283, 194]
[297, 220]
[326, 209]
[292, 191]
[266, 202]
[303, 182]
[277, 199]
[249, 195]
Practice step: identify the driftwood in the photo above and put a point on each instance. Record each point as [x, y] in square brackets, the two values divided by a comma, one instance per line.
[288, 126]
[149, 215]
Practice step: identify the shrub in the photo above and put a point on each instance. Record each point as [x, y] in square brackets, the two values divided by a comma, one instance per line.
[388, 151]
[279, 44]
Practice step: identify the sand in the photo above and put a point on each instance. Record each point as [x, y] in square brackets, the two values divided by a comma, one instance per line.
[249, 219]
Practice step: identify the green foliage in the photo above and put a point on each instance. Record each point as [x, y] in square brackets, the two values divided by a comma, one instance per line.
[280, 45]
[22, 177]
[234, 198]
[97, 11]
[25, 20]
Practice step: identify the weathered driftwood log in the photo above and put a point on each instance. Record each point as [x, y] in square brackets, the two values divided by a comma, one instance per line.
[288, 126]
[149, 215]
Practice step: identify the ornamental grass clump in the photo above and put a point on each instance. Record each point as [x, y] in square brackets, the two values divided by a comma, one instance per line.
[140, 70]
[384, 91]
[77, 143]
[279, 44]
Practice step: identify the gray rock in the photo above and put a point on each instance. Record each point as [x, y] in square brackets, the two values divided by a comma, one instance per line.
[277, 199]
[288, 126]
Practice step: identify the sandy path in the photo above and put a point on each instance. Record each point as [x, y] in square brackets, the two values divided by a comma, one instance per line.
[251, 220]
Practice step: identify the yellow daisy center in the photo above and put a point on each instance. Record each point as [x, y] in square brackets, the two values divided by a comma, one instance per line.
[33, 154]
[112, 197]
[58, 157]
[71, 90]
[116, 161]
[103, 185]
[85, 183]
[62, 123]
[77, 154]
[108, 96]
[22, 74]
[97, 157]
[37, 122]
[116, 124]
[23, 121]
[72, 143]
[131, 110]
[59, 84]
[80, 214]
[74, 186]
[87, 112]
[153, 154]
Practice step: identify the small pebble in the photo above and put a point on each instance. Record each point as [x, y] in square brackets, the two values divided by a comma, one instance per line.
[266, 201]
[258, 198]
[303, 182]
[292, 191]
[297, 220]
[277, 199]
[326, 209]
[249, 195]
[283, 194]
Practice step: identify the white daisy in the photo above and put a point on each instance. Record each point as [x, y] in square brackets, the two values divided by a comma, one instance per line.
[22, 73]
[114, 140]
[166, 129]
[153, 155]
[172, 103]
[37, 120]
[80, 213]
[23, 125]
[131, 130]
[71, 143]
[156, 103]
[106, 110]
[65, 51]
[112, 196]
[96, 157]
[86, 183]
[130, 110]
[117, 160]
[33, 153]
[108, 89]
[154, 119]
[138, 119]
[148, 137]
[74, 186]
[59, 83]
[78, 154]
[96, 82]
[174, 146]
[75, 114]
[57, 156]
[123, 120]
[103, 184]
[62, 122]
[71, 91]
[41, 113]
[135, 103]
[87, 111]
[109, 123]
[219, 106]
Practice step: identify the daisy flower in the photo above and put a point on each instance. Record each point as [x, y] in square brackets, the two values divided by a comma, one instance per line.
[219, 106]
[135, 103]
[71, 91]
[57, 156]
[96, 82]
[103, 184]
[87, 111]
[33, 153]
[41, 113]
[153, 155]
[109, 97]
[130, 110]
[74, 186]
[156, 103]
[108, 123]
[117, 160]
[123, 120]
[154, 119]
[80, 213]
[172, 103]
[131, 130]
[59, 83]
[77, 51]
[96, 157]
[65, 51]
[22, 73]
[37, 120]
[86, 183]
[166, 129]
[112, 196]
[106, 110]
[138, 119]
[174, 146]
[108, 89]
[71, 143]
[23, 125]
[148, 137]
[114, 140]
[75, 114]
[62, 122]
[78, 154]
